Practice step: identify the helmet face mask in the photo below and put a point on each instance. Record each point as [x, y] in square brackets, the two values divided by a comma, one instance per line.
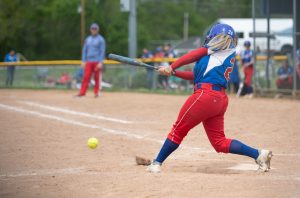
[221, 37]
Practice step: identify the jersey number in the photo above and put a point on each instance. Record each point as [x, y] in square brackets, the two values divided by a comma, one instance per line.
[227, 73]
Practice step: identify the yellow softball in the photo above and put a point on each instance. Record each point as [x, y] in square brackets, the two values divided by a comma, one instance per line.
[92, 142]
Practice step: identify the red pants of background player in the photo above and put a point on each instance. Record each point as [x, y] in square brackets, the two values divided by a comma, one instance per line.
[207, 106]
[248, 72]
[286, 83]
[89, 68]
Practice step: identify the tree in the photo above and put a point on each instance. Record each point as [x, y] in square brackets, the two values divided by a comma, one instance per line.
[50, 29]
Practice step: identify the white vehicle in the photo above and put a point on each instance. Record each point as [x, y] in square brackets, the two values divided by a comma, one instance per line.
[282, 41]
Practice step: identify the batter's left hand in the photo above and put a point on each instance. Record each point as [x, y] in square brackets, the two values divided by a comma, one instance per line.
[98, 66]
[166, 71]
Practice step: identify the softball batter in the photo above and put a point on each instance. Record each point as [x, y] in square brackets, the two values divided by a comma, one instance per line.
[208, 103]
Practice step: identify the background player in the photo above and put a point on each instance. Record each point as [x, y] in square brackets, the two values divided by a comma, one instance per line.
[209, 101]
[285, 76]
[247, 64]
[93, 53]
[10, 57]
[150, 72]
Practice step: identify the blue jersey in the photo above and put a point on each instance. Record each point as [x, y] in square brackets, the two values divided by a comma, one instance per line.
[147, 55]
[93, 49]
[10, 58]
[285, 71]
[215, 68]
[246, 56]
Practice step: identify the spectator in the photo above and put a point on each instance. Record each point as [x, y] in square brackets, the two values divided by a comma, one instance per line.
[171, 50]
[162, 79]
[42, 74]
[247, 64]
[50, 81]
[174, 82]
[65, 79]
[158, 55]
[285, 76]
[150, 72]
[92, 57]
[10, 57]
[234, 81]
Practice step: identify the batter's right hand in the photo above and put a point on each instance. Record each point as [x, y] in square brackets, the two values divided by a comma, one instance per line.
[83, 64]
[166, 71]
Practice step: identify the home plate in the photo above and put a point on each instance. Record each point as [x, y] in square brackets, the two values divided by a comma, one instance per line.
[244, 167]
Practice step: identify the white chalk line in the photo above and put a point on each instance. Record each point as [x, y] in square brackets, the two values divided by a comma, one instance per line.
[115, 132]
[68, 121]
[52, 172]
[77, 123]
[71, 112]
[244, 167]
[45, 172]
[85, 171]
[77, 113]
[67, 111]
[70, 171]
[254, 167]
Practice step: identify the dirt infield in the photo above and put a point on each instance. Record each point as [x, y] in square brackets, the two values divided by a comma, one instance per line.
[43, 151]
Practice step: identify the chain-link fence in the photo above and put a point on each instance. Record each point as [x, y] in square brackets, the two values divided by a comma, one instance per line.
[278, 78]
[114, 77]
[125, 77]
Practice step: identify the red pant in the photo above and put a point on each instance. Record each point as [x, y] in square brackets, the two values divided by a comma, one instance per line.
[286, 83]
[88, 70]
[207, 106]
[248, 72]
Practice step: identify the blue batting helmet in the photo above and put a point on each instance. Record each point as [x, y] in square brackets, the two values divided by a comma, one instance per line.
[221, 37]
[221, 28]
[247, 43]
